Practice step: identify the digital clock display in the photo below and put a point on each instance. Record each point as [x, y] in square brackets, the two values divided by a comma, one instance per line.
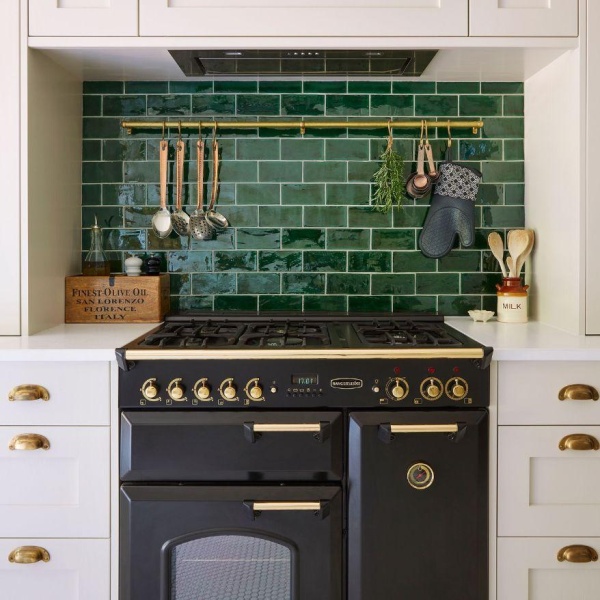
[305, 379]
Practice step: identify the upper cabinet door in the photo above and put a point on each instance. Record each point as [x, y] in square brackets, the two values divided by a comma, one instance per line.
[83, 17]
[544, 18]
[304, 18]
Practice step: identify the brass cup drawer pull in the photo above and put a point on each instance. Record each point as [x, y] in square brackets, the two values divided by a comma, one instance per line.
[29, 441]
[578, 391]
[579, 441]
[27, 555]
[577, 554]
[28, 392]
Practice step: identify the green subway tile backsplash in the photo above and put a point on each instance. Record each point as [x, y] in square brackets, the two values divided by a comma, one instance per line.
[303, 235]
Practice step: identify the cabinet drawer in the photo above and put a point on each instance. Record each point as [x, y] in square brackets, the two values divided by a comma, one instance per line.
[77, 570]
[231, 446]
[546, 491]
[528, 393]
[59, 492]
[528, 569]
[79, 393]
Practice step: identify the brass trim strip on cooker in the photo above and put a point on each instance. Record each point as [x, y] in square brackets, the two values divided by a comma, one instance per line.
[28, 392]
[577, 554]
[284, 427]
[27, 555]
[29, 441]
[431, 428]
[286, 506]
[389, 353]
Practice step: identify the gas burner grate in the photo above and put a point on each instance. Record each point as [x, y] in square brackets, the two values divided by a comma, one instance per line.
[288, 334]
[404, 333]
[194, 334]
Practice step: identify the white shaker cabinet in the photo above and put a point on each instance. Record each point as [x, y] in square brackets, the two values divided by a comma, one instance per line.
[83, 17]
[303, 18]
[524, 18]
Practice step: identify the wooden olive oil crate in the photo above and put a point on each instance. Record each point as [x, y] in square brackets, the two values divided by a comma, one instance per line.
[116, 299]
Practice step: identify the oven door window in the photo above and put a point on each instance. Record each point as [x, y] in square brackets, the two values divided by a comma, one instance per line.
[231, 567]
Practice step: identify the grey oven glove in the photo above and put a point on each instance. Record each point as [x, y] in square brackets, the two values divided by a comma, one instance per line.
[451, 212]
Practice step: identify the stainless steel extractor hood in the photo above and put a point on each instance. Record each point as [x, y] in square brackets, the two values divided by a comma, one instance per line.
[398, 63]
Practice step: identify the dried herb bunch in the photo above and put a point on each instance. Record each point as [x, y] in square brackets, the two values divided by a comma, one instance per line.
[389, 178]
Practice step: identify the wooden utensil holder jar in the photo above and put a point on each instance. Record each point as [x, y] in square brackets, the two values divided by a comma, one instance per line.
[512, 300]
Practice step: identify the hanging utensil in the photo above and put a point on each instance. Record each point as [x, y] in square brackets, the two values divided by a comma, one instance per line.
[216, 219]
[419, 183]
[200, 228]
[433, 173]
[180, 219]
[497, 247]
[161, 221]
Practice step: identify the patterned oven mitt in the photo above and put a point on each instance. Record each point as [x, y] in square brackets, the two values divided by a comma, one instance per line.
[452, 211]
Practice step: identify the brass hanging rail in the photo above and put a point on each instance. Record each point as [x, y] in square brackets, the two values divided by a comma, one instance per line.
[301, 125]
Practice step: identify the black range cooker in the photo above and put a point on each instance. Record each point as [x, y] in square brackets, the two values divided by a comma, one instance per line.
[298, 457]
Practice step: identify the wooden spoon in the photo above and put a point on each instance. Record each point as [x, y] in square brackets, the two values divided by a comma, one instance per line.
[523, 257]
[518, 240]
[497, 247]
[511, 266]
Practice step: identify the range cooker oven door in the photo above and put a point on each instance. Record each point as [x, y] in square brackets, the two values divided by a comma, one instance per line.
[418, 505]
[230, 542]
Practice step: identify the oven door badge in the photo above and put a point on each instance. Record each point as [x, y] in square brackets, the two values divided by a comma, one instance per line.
[346, 383]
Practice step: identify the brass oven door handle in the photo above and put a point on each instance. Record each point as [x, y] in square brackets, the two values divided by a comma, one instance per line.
[579, 441]
[27, 555]
[456, 431]
[319, 508]
[578, 391]
[28, 392]
[577, 554]
[29, 441]
[442, 428]
[321, 431]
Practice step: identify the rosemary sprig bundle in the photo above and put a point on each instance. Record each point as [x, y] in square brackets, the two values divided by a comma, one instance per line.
[389, 179]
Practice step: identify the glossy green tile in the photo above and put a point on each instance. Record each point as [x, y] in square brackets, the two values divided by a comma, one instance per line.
[302, 149]
[134, 172]
[91, 150]
[347, 150]
[369, 262]
[91, 195]
[279, 87]
[181, 303]
[284, 303]
[190, 87]
[241, 216]
[325, 303]
[502, 87]
[258, 193]
[280, 261]
[258, 104]
[240, 260]
[458, 87]
[108, 217]
[325, 171]
[303, 238]
[367, 216]
[404, 147]
[503, 216]
[286, 171]
[348, 239]
[438, 283]
[233, 87]
[348, 194]
[479, 283]
[407, 261]
[103, 87]
[124, 150]
[124, 194]
[138, 216]
[514, 150]
[481, 150]
[256, 149]
[174, 104]
[503, 172]
[189, 262]
[146, 87]
[303, 194]
[394, 284]
[514, 193]
[361, 171]
[426, 304]
[324, 261]
[243, 303]
[180, 284]
[92, 106]
[258, 283]
[238, 171]
[392, 105]
[458, 306]
[409, 216]
[514, 106]
[369, 87]
[257, 237]
[440, 106]
[172, 242]
[491, 194]
[325, 216]
[394, 239]
[413, 87]
[303, 283]
[102, 172]
[460, 260]
[122, 239]
[503, 127]
[303, 104]
[325, 87]
[370, 303]
[480, 106]
[217, 104]
[100, 127]
[280, 216]
[348, 283]
[346, 105]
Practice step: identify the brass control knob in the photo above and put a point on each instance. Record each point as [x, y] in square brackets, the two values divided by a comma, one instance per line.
[150, 390]
[230, 391]
[398, 391]
[255, 392]
[176, 391]
[203, 392]
[456, 388]
[433, 389]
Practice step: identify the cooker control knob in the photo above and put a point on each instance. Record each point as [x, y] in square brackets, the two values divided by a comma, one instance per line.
[176, 390]
[150, 389]
[432, 388]
[397, 388]
[255, 391]
[457, 388]
[230, 391]
[203, 392]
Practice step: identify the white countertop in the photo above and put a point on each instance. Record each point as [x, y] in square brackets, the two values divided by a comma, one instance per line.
[531, 341]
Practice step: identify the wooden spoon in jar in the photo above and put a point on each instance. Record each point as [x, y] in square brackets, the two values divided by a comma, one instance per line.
[523, 257]
[497, 247]
[518, 240]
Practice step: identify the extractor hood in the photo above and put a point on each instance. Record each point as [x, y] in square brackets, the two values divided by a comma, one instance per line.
[398, 63]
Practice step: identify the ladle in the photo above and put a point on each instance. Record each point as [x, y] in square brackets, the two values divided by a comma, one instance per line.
[180, 219]
[497, 247]
[216, 219]
[161, 221]
[200, 228]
